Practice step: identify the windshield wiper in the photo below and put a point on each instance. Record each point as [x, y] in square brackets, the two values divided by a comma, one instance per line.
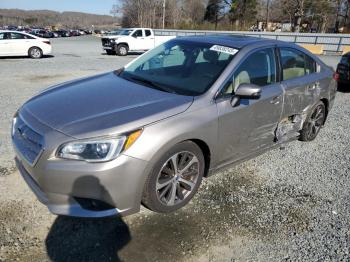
[151, 84]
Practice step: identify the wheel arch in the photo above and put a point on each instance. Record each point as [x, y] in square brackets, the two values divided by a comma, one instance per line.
[326, 103]
[206, 153]
[123, 43]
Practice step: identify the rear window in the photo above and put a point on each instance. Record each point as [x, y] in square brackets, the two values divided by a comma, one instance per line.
[148, 32]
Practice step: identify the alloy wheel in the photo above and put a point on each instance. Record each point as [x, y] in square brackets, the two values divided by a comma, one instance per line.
[123, 50]
[35, 52]
[177, 178]
[315, 122]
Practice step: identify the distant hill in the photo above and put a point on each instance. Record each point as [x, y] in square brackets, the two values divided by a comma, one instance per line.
[43, 18]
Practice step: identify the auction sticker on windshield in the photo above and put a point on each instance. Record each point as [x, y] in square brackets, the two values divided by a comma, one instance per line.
[224, 49]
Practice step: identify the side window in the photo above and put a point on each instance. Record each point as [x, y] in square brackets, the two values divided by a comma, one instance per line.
[310, 65]
[137, 33]
[296, 64]
[259, 69]
[6, 36]
[2, 36]
[17, 36]
[148, 32]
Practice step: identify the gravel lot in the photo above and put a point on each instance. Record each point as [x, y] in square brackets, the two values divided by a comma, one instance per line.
[286, 205]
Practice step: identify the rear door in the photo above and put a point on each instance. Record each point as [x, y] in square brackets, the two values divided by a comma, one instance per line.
[299, 80]
[251, 126]
[20, 43]
[149, 39]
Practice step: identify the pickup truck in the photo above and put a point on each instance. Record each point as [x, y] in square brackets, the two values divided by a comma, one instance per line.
[132, 40]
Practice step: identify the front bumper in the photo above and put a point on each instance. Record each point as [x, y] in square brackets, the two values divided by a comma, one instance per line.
[79, 188]
[72, 188]
[107, 48]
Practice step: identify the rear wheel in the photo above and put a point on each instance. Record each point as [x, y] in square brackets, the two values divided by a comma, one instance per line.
[175, 178]
[122, 50]
[313, 122]
[35, 52]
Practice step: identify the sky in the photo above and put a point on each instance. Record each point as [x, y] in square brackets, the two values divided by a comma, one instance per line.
[87, 6]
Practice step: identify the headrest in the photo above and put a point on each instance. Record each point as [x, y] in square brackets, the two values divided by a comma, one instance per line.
[210, 56]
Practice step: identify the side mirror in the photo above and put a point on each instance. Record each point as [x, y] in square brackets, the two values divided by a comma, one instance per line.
[245, 91]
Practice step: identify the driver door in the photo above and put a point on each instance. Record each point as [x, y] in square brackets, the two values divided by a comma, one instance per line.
[137, 42]
[250, 126]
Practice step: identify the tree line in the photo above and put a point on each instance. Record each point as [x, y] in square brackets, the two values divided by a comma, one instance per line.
[301, 15]
[42, 18]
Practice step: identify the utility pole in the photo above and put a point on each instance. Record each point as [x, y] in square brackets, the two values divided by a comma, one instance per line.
[267, 14]
[163, 14]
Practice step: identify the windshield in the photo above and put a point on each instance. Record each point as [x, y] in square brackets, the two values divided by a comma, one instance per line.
[125, 32]
[180, 66]
[115, 32]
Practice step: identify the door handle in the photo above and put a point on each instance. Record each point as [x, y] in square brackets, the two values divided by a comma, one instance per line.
[276, 100]
[313, 86]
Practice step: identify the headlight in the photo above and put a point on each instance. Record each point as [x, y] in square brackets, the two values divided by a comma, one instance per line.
[98, 149]
[14, 121]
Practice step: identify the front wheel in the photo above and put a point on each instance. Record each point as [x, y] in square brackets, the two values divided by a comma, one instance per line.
[175, 178]
[313, 122]
[35, 52]
[122, 50]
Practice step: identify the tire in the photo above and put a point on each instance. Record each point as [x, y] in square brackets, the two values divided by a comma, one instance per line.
[35, 52]
[166, 191]
[110, 52]
[122, 50]
[313, 123]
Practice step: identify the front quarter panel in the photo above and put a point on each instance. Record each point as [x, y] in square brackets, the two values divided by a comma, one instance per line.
[158, 138]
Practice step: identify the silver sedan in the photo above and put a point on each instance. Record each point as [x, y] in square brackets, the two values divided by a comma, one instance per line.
[149, 132]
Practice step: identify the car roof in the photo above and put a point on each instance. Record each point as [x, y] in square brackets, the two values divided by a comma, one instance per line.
[229, 40]
[12, 31]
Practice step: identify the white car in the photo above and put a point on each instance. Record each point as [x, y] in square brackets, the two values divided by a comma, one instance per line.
[13, 43]
[132, 40]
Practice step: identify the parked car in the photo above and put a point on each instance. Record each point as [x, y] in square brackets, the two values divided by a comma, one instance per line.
[149, 132]
[74, 33]
[132, 40]
[343, 70]
[42, 33]
[13, 43]
[62, 33]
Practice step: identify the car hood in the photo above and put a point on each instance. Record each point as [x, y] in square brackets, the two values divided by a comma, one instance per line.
[112, 36]
[103, 104]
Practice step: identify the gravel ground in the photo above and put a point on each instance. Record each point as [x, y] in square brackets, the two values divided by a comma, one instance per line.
[286, 205]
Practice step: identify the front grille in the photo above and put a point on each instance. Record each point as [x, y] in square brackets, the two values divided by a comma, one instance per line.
[106, 42]
[28, 142]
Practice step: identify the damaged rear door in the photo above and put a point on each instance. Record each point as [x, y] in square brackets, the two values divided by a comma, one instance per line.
[302, 88]
[250, 126]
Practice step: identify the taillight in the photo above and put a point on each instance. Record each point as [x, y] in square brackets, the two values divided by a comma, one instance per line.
[336, 76]
[47, 42]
